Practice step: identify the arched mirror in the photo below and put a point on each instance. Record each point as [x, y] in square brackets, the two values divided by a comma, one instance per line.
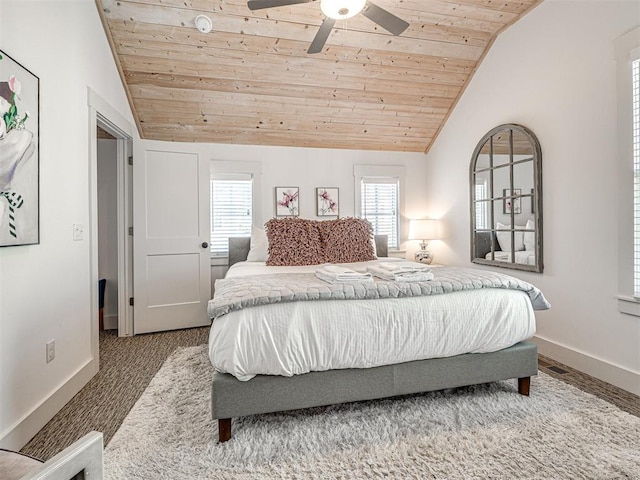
[506, 199]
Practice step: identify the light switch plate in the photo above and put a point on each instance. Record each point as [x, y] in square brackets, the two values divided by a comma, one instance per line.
[78, 232]
[51, 350]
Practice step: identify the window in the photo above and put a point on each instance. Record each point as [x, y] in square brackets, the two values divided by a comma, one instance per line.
[482, 208]
[379, 199]
[627, 49]
[234, 203]
[231, 211]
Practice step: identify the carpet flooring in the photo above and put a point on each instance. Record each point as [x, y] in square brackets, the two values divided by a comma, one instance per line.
[485, 431]
[128, 364]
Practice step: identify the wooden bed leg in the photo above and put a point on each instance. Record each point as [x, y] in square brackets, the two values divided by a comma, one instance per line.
[524, 384]
[224, 430]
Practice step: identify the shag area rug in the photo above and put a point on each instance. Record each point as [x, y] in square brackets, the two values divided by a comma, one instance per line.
[482, 432]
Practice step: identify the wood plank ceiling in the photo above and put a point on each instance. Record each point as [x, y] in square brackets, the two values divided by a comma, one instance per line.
[251, 81]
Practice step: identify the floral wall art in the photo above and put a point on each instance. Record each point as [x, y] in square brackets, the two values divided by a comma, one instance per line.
[287, 201]
[511, 203]
[19, 154]
[327, 203]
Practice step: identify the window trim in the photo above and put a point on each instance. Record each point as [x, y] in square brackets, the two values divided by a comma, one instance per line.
[226, 167]
[627, 48]
[396, 172]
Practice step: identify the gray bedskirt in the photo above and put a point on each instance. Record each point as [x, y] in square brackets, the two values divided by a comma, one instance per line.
[265, 393]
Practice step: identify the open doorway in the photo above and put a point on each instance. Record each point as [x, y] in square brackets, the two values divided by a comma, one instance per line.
[114, 273]
[110, 151]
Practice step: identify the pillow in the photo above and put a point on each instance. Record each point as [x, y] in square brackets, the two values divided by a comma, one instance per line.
[259, 246]
[347, 240]
[504, 238]
[294, 241]
[530, 237]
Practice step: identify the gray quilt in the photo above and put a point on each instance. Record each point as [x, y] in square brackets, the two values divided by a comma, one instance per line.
[237, 293]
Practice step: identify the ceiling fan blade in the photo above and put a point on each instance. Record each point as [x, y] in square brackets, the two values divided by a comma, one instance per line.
[386, 20]
[260, 4]
[321, 37]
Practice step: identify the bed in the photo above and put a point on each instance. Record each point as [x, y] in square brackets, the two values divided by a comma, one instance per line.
[524, 257]
[240, 388]
[500, 241]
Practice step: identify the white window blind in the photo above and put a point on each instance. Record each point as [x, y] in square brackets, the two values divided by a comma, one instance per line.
[635, 98]
[379, 199]
[482, 208]
[231, 210]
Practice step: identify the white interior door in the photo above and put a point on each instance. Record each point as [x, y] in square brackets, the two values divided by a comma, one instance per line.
[172, 268]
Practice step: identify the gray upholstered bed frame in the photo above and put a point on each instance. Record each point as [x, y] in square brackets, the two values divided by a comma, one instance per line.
[265, 393]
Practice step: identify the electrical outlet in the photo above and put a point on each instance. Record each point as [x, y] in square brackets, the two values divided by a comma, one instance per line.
[78, 232]
[51, 350]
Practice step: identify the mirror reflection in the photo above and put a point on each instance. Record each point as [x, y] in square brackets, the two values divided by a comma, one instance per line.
[506, 198]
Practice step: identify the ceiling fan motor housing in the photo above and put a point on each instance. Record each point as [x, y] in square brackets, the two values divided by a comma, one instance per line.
[342, 9]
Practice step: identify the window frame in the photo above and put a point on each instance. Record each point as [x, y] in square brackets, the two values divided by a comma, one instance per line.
[229, 168]
[627, 49]
[384, 173]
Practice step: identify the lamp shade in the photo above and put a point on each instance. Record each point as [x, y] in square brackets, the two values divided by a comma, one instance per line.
[424, 229]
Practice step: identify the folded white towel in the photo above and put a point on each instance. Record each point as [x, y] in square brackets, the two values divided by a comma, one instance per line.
[403, 267]
[422, 275]
[336, 274]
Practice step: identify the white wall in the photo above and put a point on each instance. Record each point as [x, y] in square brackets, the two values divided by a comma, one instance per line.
[309, 168]
[108, 228]
[45, 288]
[555, 73]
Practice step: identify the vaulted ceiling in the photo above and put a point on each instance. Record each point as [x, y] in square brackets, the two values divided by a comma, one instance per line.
[251, 81]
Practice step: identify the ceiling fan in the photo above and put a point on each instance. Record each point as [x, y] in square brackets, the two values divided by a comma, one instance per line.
[339, 10]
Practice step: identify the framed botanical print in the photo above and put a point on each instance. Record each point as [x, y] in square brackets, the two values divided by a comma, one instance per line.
[327, 202]
[287, 201]
[514, 202]
[19, 154]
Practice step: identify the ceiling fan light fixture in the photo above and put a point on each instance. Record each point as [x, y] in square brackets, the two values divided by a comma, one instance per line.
[341, 9]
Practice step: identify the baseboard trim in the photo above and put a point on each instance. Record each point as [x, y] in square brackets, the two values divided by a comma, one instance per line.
[596, 367]
[111, 322]
[24, 430]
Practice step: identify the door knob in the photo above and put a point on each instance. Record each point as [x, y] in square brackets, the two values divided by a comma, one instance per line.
[205, 245]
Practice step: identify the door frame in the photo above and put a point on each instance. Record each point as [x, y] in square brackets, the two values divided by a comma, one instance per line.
[102, 114]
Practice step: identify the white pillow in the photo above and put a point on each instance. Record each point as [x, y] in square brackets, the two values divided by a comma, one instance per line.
[530, 237]
[259, 246]
[504, 238]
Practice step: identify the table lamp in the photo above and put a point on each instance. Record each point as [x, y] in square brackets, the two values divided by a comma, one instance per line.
[424, 229]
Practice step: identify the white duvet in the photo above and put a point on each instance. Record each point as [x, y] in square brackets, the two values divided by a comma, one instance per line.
[295, 338]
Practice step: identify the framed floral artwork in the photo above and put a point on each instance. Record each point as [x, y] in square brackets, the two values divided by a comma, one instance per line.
[512, 200]
[19, 154]
[327, 202]
[287, 201]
